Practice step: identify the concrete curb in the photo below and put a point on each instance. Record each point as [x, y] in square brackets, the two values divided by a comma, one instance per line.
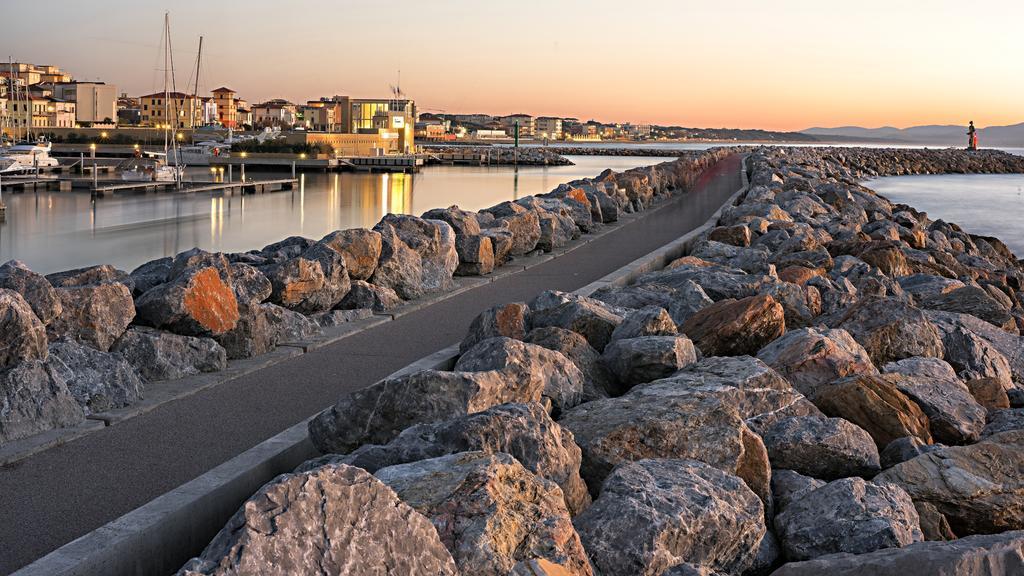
[153, 538]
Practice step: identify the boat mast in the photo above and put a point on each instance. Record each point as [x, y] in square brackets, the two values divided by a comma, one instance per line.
[167, 68]
[195, 89]
[174, 88]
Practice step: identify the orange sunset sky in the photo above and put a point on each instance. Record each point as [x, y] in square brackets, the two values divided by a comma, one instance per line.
[784, 65]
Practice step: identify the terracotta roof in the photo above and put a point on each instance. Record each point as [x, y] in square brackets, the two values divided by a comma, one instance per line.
[173, 95]
[223, 89]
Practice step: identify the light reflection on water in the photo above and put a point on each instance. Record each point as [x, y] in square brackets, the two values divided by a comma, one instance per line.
[54, 231]
[986, 204]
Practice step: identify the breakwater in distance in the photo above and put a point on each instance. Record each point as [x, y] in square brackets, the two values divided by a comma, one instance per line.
[825, 372]
[85, 341]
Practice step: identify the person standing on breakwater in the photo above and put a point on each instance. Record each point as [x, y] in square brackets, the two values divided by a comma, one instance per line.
[972, 136]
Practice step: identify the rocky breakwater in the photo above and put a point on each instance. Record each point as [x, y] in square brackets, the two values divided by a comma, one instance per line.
[91, 340]
[503, 155]
[821, 386]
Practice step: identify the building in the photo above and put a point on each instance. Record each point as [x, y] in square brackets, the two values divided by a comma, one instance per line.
[527, 125]
[340, 112]
[182, 110]
[318, 117]
[638, 131]
[41, 112]
[274, 113]
[549, 128]
[129, 110]
[490, 135]
[227, 109]
[36, 73]
[95, 102]
[395, 118]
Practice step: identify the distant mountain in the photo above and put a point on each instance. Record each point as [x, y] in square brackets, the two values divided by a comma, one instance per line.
[936, 135]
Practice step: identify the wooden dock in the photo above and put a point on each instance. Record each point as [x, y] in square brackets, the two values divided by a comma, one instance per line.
[33, 183]
[246, 187]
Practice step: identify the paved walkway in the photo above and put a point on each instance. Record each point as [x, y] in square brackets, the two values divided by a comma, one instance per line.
[58, 495]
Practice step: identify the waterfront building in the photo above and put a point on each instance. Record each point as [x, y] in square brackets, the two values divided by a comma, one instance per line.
[337, 116]
[95, 102]
[527, 125]
[549, 127]
[486, 134]
[475, 119]
[274, 113]
[317, 116]
[638, 131]
[41, 112]
[129, 110]
[386, 117]
[182, 111]
[36, 73]
[227, 109]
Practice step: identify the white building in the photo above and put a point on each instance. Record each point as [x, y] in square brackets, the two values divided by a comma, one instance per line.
[550, 128]
[95, 102]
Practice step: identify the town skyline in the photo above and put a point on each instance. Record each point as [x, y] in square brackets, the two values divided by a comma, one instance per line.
[867, 67]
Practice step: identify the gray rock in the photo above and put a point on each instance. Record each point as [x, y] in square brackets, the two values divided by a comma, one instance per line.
[598, 382]
[848, 515]
[159, 355]
[989, 555]
[969, 300]
[501, 242]
[523, 224]
[333, 520]
[363, 295]
[22, 335]
[490, 511]
[150, 274]
[976, 349]
[924, 286]
[889, 329]
[643, 359]
[592, 321]
[336, 318]
[89, 276]
[654, 514]
[464, 223]
[291, 326]
[1003, 421]
[433, 242]
[688, 299]
[98, 381]
[903, 449]
[476, 255]
[34, 288]
[32, 400]
[812, 357]
[562, 381]
[314, 281]
[508, 320]
[647, 321]
[360, 248]
[825, 448]
[789, 486]
[94, 314]
[954, 416]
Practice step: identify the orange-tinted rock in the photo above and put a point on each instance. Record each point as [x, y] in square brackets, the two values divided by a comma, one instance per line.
[736, 327]
[798, 274]
[989, 392]
[874, 404]
[689, 261]
[197, 303]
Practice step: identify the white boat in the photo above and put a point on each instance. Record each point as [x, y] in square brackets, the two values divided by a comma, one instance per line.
[12, 166]
[30, 155]
[198, 154]
[149, 169]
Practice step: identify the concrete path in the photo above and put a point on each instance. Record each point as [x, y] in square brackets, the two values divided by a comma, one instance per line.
[58, 495]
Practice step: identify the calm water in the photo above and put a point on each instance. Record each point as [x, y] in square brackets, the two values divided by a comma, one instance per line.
[987, 204]
[53, 231]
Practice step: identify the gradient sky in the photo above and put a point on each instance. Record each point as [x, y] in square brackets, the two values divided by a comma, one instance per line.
[784, 64]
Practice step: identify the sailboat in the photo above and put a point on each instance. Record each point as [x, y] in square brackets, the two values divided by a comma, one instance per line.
[199, 154]
[157, 166]
[24, 155]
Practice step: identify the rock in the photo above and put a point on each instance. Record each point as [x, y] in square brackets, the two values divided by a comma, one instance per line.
[98, 381]
[848, 515]
[643, 359]
[978, 488]
[876, 405]
[288, 248]
[363, 295]
[32, 400]
[934, 525]
[314, 281]
[799, 275]
[736, 235]
[360, 248]
[94, 314]
[159, 355]
[969, 300]
[583, 316]
[508, 320]
[476, 255]
[689, 298]
[376, 414]
[89, 276]
[789, 486]
[800, 304]
[417, 256]
[673, 423]
[924, 286]
[257, 331]
[1004, 420]
[333, 520]
[810, 357]
[954, 416]
[490, 512]
[989, 392]
[555, 231]
[501, 242]
[150, 274]
[889, 329]
[752, 260]
[736, 327]
[524, 225]
[825, 448]
[717, 281]
[291, 326]
[976, 349]
[524, 431]
[647, 321]
[199, 302]
[464, 223]
[562, 381]
[22, 335]
[903, 449]
[598, 382]
[991, 555]
[34, 288]
[654, 514]
[341, 317]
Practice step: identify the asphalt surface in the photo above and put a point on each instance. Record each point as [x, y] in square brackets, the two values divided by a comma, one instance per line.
[60, 494]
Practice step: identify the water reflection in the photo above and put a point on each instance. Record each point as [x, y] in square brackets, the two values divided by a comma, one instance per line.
[53, 231]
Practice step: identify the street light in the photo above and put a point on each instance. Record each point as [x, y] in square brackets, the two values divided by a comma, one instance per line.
[103, 134]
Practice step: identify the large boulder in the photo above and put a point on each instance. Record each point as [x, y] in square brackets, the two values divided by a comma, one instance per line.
[522, 223]
[359, 247]
[34, 399]
[643, 359]
[848, 515]
[490, 512]
[34, 288]
[524, 431]
[598, 382]
[584, 316]
[736, 327]
[989, 555]
[903, 449]
[825, 448]
[508, 320]
[159, 355]
[333, 520]
[562, 381]
[1004, 420]
[978, 488]
[363, 295]
[94, 314]
[970, 300]
[789, 486]
[812, 357]
[89, 276]
[378, 413]
[876, 405]
[198, 302]
[646, 321]
[476, 255]
[22, 335]
[889, 329]
[977, 349]
[656, 514]
[954, 416]
[314, 281]
[150, 274]
[417, 256]
[463, 222]
[99, 381]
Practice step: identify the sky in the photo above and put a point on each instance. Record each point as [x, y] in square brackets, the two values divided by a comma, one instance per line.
[772, 64]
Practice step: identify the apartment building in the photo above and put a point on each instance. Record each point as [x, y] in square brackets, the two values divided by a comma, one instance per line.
[227, 108]
[274, 113]
[548, 127]
[95, 102]
[41, 112]
[180, 110]
[527, 125]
